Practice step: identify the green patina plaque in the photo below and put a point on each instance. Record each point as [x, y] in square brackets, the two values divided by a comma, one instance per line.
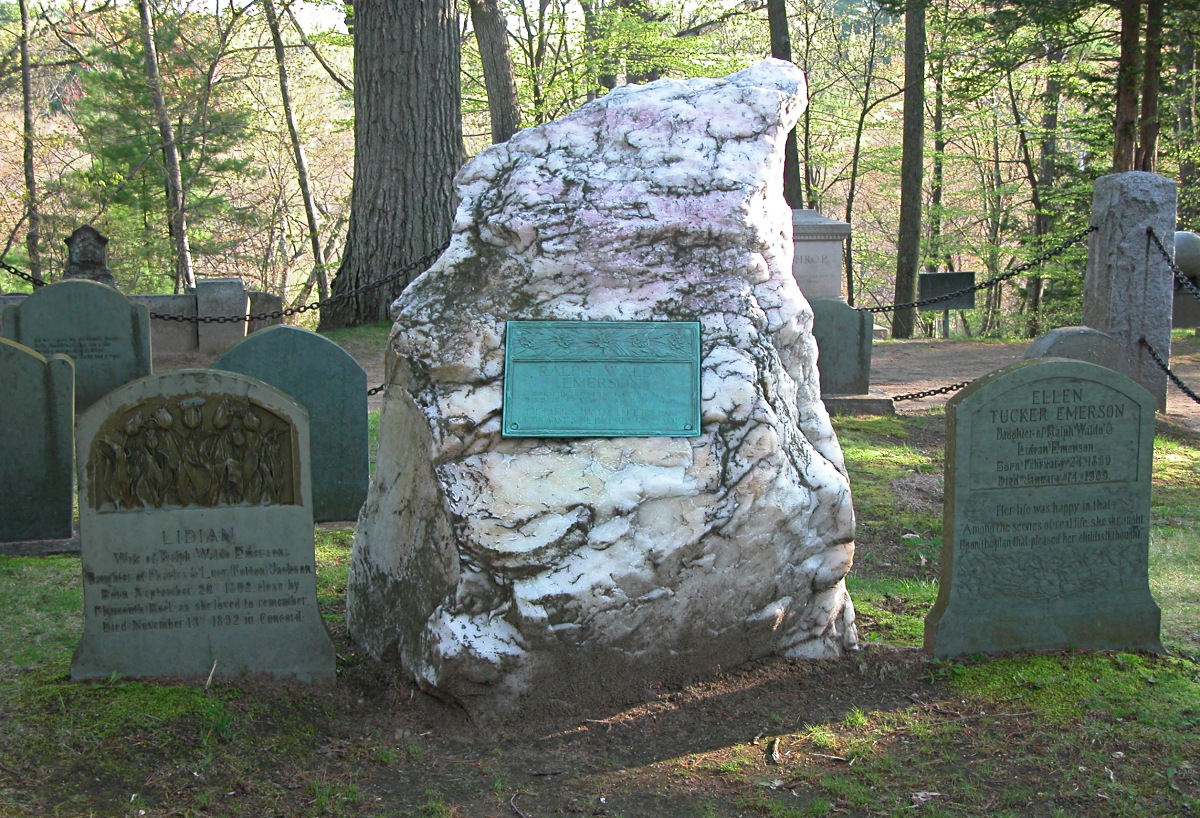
[602, 379]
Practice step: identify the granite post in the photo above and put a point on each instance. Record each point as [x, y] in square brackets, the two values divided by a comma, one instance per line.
[1129, 287]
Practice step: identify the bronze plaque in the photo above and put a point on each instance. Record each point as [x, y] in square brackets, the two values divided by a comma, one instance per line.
[602, 379]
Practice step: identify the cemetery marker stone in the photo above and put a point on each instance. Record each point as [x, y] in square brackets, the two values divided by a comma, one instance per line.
[1047, 513]
[196, 528]
[37, 421]
[327, 381]
[106, 335]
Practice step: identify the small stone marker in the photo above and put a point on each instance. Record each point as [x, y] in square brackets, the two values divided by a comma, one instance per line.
[1081, 344]
[844, 337]
[220, 298]
[106, 335]
[327, 381]
[37, 422]
[87, 256]
[1047, 513]
[195, 521]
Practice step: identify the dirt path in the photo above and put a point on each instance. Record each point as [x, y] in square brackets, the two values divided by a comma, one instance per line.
[902, 367]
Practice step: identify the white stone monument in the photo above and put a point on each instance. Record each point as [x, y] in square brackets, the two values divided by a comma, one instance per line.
[514, 574]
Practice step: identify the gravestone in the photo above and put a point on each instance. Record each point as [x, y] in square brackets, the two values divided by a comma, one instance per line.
[37, 422]
[1185, 307]
[105, 334]
[324, 379]
[844, 336]
[1081, 344]
[221, 298]
[196, 528]
[87, 256]
[1047, 513]
[819, 244]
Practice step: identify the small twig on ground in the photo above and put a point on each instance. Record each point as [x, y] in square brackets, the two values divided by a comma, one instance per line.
[208, 683]
[512, 802]
[832, 758]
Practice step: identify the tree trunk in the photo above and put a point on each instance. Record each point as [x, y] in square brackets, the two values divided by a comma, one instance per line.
[408, 146]
[908, 242]
[937, 182]
[1125, 118]
[1185, 122]
[175, 205]
[1147, 150]
[310, 207]
[492, 35]
[33, 218]
[781, 49]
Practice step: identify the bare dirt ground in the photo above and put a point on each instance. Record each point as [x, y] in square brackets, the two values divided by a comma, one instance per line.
[904, 367]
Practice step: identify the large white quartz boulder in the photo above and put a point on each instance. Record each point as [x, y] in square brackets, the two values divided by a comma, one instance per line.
[510, 574]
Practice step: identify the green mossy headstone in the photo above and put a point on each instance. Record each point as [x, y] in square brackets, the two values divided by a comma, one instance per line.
[37, 424]
[324, 379]
[196, 531]
[1046, 531]
[106, 335]
[844, 336]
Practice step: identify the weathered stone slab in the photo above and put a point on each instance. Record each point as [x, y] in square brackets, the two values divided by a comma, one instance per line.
[820, 244]
[105, 334]
[37, 423]
[196, 528]
[221, 298]
[87, 256]
[1128, 288]
[1081, 344]
[327, 381]
[844, 336]
[1185, 308]
[551, 574]
[1047, 513]
[933, 285]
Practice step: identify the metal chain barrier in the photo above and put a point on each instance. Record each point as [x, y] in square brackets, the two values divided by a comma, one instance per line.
[21, 274]
[1183, 387]
[420, 264]
[929, 393]
[1054, 252]
[376, 389]
[1183, 280]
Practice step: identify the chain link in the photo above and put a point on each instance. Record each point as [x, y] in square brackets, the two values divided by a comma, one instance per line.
[420, 264]
[376, 390]
[1183, 280]
[1065, 245]
[929, 393]
[21, 274]
[1183, 387]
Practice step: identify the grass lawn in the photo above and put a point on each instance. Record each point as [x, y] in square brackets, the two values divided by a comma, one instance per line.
[883, 732]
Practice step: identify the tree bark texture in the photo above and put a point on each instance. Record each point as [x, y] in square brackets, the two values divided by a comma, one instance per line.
[1147, 149]
[407, 148]
[177, 214]
[781, 49]
[310, 208]
[492, 35]
[1185, 122]
[908, 242]
[33, 219]
[1125, 118]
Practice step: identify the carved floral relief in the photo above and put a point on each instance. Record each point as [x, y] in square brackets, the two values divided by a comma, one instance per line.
[197, 451]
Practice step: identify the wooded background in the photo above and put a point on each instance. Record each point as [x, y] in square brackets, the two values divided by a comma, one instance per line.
[224, 138]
